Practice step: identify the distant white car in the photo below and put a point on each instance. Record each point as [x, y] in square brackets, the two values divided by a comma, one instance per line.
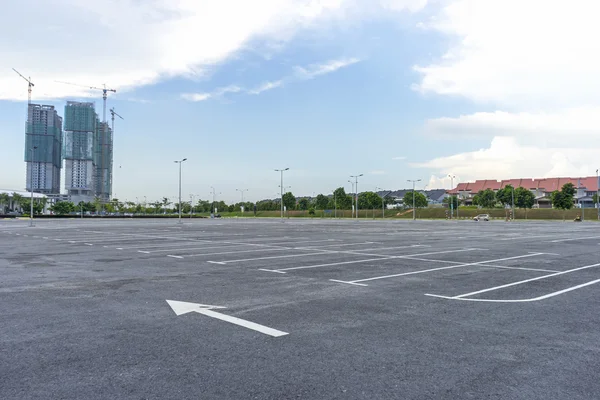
[482, 217]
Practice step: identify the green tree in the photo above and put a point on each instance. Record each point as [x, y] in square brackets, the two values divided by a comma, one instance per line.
[63, 207]
[369, 200]
[303, 204]
[344, 201]
[4, 199]
[17, 200]
[524, 198]
[289, 201]
[594, 198]
[321, 202]
[37, 206]
[97, 204]
[420, 199]
[505, 195]
[563, 199]
[311, 211]
[452, 202]
[388, 199]
[485, 199]
[568, 190]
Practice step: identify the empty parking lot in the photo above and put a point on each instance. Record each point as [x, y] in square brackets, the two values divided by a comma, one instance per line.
[315, 309]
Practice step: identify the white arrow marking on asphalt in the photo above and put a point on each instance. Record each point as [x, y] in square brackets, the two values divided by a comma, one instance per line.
[182, 307]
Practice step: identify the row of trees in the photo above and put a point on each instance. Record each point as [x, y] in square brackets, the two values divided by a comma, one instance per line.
[562, 199]
[21, 203]
[523, 198]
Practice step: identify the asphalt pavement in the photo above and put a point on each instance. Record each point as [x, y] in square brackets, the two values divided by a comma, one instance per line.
[299, 309]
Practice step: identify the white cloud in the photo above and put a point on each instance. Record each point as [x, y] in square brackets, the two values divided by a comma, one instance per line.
[533, 54]
[321, 69]
[536, 62]
[196, 96]
[266, 86]
[549, 127]
[216, 93]
[130, 43]
[506, 158]
[302, 73]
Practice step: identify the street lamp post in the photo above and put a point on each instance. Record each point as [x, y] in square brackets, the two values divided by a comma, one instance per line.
[598, 194]
[281, 186]
[180, 162]
[356, 189]
[352, 197]
[191, 205]
[334, 205]
[242, 192]
[414, 209]
[513, 203]
[382, 203]
[451, 198]
[31, 185]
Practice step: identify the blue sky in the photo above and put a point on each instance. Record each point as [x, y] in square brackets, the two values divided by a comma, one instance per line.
[396, 90]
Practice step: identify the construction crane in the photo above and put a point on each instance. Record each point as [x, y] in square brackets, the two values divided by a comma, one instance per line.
[113, 113]
[105, 91]
[30, 85]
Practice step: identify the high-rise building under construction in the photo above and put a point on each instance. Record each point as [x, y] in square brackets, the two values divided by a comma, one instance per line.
[88, 154]
[80, 129]
[43, 149]
[103, 159]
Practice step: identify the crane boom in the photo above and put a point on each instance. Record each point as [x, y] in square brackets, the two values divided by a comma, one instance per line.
[69, 83]
[27, 79]
[29, 86]
[113, 112]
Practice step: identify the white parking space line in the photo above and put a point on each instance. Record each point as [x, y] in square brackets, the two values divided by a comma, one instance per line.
[574, 239]
[306, 241]
[380, 257]
[232, 252]
[546, 296]
[439, 269]
[330, 264]
[272, 257]
[335, 245]
[193, 248]
[526, 281]
[521, 237]
[167, 244]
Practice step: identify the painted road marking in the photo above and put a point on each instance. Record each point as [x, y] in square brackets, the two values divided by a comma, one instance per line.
[526, 281]
[272, 257]
[546, 296]
[437, 269]
[235, 252]
[193, 248]
[180, 307]
[381, 257]
[330, 264]
[572, 239]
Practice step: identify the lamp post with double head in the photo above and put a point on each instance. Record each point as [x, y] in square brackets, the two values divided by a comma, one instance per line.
[180, 162]
[281, 186]
[356, 191]
[413, 193]
[31, 184]
[451, 197]
[242, 192]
